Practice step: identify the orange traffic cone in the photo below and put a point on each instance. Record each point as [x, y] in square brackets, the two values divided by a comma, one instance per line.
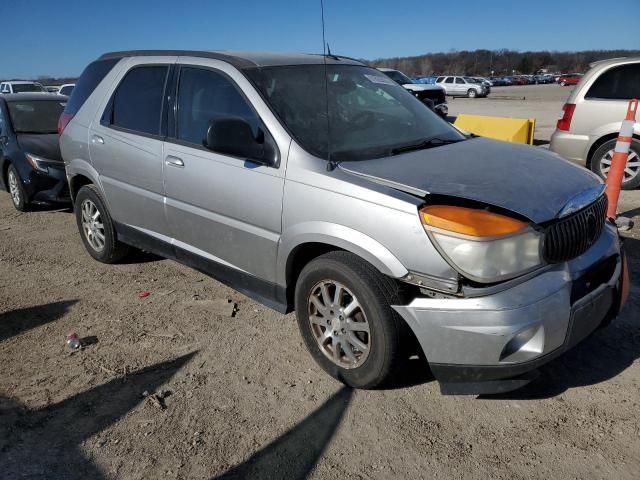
[619, 160]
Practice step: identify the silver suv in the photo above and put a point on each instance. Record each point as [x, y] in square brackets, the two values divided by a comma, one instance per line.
[320, 185]
[463, 87]
[590, 120]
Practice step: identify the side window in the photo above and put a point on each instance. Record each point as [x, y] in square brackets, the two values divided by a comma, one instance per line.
[618, 83]
[205, 95]
[449, 80]
[137, 102]
[439, 79]
[459, 81]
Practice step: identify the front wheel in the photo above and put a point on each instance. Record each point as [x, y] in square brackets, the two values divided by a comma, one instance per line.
[601, 163]
[18, 195]
[345, 317]
[472, 93]
[96, 227]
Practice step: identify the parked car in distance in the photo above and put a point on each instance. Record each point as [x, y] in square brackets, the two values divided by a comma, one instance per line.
[30, 163]
[317, 184]
[66, 89]
[51, 88]
[486, 84]
[485, 81]
[20, 87]
[426, 80]
[591, 119]
[462, 87]
[569, 79]
[430, 94]
[501, 81]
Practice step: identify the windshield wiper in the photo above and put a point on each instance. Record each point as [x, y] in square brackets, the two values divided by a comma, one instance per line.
[431, 142]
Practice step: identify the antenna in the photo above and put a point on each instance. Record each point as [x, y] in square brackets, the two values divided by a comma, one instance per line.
[330, 164]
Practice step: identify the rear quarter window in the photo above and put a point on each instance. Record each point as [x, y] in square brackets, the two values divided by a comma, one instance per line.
[87, 83]
[617, 83]
[137, 102]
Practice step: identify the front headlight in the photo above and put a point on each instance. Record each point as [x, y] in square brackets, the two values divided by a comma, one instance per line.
[38, 163]
[483, 246]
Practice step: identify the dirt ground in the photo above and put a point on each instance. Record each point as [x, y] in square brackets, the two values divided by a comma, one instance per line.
[232, 392]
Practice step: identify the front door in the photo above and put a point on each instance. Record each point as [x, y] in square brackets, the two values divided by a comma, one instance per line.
[221, 208]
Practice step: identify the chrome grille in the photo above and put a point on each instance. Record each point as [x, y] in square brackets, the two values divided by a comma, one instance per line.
[572, 236]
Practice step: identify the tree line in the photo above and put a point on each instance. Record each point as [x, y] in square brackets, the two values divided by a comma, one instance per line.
[498, 62]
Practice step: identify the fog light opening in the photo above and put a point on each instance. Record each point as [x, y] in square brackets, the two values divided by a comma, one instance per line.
[524, 345]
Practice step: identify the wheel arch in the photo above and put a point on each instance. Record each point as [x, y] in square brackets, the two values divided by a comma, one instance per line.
[599, 142]
[310, 240]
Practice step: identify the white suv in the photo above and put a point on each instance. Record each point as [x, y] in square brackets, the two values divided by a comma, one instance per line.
[590, 120]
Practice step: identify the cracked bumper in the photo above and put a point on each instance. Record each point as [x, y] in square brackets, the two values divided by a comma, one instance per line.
[471, 342]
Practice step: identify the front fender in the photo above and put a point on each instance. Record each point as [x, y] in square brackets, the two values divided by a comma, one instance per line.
[341, 237]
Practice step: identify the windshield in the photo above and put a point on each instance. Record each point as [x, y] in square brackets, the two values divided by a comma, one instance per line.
[27, 87]
[35, 116]
[369, 114]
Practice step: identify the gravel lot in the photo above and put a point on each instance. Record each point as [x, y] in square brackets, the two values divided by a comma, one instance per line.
[237, 394]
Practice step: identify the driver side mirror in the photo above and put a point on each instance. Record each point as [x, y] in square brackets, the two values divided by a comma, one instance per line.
[235, 137]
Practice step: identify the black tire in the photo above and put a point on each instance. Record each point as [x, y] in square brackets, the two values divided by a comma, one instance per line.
[375, 293]
[596, 165]
[471, 93]
[113, 250]
[21, 204]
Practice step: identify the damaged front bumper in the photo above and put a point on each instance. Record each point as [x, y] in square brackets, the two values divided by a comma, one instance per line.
[492, 343]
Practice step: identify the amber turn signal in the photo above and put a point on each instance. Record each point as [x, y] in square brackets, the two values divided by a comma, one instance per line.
[469, 221]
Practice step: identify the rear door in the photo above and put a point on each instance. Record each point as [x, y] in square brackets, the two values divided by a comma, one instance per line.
[126, 146]
[220, 207]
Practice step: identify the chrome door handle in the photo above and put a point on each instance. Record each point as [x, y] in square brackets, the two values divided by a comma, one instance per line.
[174, 161]
[97, 139]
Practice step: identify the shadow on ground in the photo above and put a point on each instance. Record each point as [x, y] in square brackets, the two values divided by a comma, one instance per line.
[45, 443]
[18, 321]
[294, 454]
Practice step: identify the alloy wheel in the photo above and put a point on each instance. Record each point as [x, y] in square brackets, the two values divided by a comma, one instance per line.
[92, 226]
[14, 189]
[631, 169]
[339, 324]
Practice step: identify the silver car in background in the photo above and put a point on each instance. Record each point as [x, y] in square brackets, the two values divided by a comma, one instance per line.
[463, 86]
[320, 185]
[590, 121]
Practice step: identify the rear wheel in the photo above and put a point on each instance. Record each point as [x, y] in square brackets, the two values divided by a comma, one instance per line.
[601, 163]
[96, 227]
[471, 93]
[345, 317]
[18, 195]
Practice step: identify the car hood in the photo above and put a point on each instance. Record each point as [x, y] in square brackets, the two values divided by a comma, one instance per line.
[420, 87]
[43, 145]
[526, 180]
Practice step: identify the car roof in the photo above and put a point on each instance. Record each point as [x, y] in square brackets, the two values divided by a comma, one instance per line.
[382, 69]
[32, 96]
[614, 61]
[242, 60]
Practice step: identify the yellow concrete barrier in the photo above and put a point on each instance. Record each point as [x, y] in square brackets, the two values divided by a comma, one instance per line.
[515, 130]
